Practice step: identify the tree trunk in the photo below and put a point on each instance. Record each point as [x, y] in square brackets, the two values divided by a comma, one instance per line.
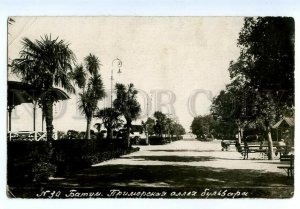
[270, 144]
[109, 132]
[128, 133]
[239, 135]
[48, 111]
[147, 136]
[88, 128]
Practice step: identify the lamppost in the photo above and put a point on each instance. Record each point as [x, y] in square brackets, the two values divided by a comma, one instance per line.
[117, 62]
[147, 132]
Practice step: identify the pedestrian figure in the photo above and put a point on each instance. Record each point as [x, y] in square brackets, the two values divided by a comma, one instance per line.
[281, 148]
[224, 145]
[238, 146]
[246, 150]
[261, 153]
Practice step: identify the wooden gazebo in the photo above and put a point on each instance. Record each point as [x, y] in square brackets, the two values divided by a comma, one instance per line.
[19, 93]
[285, 129]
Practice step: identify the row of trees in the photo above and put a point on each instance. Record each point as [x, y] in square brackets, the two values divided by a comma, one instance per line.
[203, 126]
[49, 63]
[262, 78]
[161, 125]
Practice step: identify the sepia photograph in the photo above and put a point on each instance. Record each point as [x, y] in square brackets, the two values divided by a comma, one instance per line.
[170, 107]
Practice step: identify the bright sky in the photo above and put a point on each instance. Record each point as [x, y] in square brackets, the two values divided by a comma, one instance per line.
[176, 56]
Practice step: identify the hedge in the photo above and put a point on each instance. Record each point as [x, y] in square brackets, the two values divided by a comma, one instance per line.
[36, 161]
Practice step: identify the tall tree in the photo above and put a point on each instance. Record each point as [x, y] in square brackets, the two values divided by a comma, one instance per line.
[267, 51]
[150, 123]
[202, 126]
[126, 103]
[98, 126]
[44, 64]
[263, 73]
[111, 119]
[88, 79]
[160, 123]
[267, 48]
[176, 129]
[228, 109]
[168, 126]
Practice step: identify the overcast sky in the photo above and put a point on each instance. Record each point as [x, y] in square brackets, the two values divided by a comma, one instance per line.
[182, 55]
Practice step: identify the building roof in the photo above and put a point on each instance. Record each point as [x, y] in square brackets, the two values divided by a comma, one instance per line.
[289, 120]
[18, 93]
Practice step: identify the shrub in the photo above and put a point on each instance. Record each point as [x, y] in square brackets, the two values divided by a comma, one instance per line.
[28, 161]
[42, 171]
[37, 161]
[156, 140]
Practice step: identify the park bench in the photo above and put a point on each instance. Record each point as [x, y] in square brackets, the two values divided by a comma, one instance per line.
[245, 151]
[289, 168]
[263, 149]
[232, 142]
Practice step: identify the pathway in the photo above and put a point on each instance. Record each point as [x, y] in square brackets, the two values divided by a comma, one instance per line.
[185, 163]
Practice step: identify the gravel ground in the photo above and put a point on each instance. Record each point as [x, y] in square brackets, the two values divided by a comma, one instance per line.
[186, 165]
[196, 153]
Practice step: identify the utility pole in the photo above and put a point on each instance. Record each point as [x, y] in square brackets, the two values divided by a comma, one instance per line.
[119, 65]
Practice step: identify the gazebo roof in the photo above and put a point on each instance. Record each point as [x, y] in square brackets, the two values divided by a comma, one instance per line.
[19, 92]
[290, 121]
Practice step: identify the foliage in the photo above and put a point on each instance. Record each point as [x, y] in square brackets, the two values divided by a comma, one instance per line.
[61, 135]
[150, 123]
[156, 140]
[36, 161]
[228, 111]
[44, 64]
[89, 80]
[29, 161]
[202, 126]
[111, 119]
[176, 129]
[262, 78]
[160, 123]
[98, 126]
[267, 48]
[126, 103]
[164, 125]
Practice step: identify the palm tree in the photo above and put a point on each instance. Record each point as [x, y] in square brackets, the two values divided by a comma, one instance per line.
[126, 103]
[89, 80]
[44, 64]
[110, 118]
[98, 126]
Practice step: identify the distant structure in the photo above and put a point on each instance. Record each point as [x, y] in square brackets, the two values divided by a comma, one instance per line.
[285, 130]
[19, 93]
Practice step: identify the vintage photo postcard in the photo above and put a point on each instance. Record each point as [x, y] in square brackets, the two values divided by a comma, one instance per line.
[150, 107]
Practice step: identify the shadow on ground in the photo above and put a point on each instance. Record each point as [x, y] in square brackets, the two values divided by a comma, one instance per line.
[183, 150]
[171, 176]
[171, 158]
[175, 158]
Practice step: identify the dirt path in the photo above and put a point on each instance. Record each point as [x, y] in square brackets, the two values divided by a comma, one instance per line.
[181, 164]
[196, 153]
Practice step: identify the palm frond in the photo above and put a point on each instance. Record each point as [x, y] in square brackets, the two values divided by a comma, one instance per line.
[79, 76]
[92, 64]
[45, 63]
